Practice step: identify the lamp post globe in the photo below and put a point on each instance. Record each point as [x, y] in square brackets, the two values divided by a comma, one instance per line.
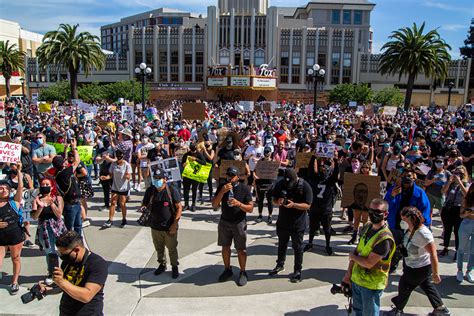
[142, 66]
[148, 70]
[137, 70]
[322, 72]
[316, 67]
[310, 72]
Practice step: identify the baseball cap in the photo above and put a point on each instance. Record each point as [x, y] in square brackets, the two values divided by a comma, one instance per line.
[232, 171]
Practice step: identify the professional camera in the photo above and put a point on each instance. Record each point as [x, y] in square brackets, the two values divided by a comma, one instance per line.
[35, 292]
[284, 196]
[343, 289]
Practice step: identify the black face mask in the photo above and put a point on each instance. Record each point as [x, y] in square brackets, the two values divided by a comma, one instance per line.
[407, 181]
[376, 217]
[14, 172]
[45, 190]
[467, 138]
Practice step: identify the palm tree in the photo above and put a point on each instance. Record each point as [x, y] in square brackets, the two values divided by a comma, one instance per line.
[73, 51]
[411, 52]
[11, 60]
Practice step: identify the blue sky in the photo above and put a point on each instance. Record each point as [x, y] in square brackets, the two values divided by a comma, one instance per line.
[450, 16]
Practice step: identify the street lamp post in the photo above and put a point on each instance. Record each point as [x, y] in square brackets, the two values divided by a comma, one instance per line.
[142, 70]
[450, 87]
[316, 73]
[22, 80]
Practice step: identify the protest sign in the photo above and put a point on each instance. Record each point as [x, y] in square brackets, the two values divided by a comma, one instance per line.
[75, 102]
[6, 138]
[10, 152]
[324, 150]
[163, 105]
[245, 106]
[201, 134]
[2, 123]
[193, 111]
[121, 100]
[86, 107]
[369, 110]
[359, 189]
[88, 116]
[57, 146]
[151, 114]
[452, 108]
[352, 104]
[170, 166]
[267, 107]
[394, 176]
[360, 110]
[179, 153]
[139, 106]
[267, 170]
[390, 110]
[303, 159]
[85, 153]
[424, 108]
[127, 113]
[279, 111]
[225, 164]
[45, 107]
[27, 203]
[195, 171]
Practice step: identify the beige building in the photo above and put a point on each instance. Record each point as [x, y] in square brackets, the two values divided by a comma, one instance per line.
[27, 42]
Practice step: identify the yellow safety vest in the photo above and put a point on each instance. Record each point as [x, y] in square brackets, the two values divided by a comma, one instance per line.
[375, 278]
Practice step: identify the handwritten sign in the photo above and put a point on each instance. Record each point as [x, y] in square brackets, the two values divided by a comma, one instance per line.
[303, 159]
[127, 113]
[88, 116]
[324, 150]
[45, 107]
[85, 153]
[10, 152]
[193, 111]
[390, 110]
[27, 203]
[225, 164]
[267, 170]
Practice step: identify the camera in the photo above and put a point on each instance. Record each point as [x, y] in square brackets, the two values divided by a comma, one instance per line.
[284, 196]
[343, 289]
[35, 292]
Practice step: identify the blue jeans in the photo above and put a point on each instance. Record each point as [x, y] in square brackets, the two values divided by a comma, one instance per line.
[466, 244]
[365, 302]
[51, 239]
[72, 217]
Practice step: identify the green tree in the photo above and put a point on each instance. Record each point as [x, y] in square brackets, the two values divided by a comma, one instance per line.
[410, 52]
[92, 92]
[389, 96]
[75, 51]
[343, 93]
[11, 60]
[128, 89]
[56, 92]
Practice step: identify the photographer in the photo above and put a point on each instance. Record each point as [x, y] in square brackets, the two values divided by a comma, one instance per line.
[367, 274]
[81, 277]
[420, 259]
[293, 196]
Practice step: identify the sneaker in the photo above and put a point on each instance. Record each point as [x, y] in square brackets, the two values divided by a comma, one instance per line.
[259, 219]
[353, 239]
[174, 272]
[192, 208]
[269, 220]
[107, 224]
[277, 270]
[438, 312]
[161, 268]
[49, 280]
[296, 277]
[86, 223]
[226, 275]
[469, 276]
[443, 252]
[308, 247]
[14, 288]
[124, 222]
[243, 278]
[28, 243]
[329, 251]
[460, 276]
[394, 312]
[138, 188]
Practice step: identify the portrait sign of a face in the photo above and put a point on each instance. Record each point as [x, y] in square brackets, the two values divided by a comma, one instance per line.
[359, 189]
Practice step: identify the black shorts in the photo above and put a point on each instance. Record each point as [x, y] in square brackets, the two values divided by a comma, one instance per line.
[120, 193]
[226, 232]
[11, 236]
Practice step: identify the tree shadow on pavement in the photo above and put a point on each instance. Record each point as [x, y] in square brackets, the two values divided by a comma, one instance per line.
[332, 310]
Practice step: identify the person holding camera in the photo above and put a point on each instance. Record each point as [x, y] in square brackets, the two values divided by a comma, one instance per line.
[81, 277]
[294, 197]
[235, 199]
[164, 202]
[369, 264]
[420, 264]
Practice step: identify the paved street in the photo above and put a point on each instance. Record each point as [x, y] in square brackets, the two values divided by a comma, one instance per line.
[133, 289]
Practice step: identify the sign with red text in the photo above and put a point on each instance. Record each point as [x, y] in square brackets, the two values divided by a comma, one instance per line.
[10, 152]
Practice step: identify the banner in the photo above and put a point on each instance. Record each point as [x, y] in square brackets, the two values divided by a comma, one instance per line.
[324, 150]
[170, 166]
[359, 189]
[225, 164]
[193, 111]
[10, 152]
[27, 203]
[267, 170]
[303, 159]
[195, 171]
[360, 110]
[127, 113]
[45, 107]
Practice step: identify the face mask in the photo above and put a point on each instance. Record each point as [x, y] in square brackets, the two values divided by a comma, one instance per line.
[137, 137]
[45, 190]
[376, 217]
[67, 258]
[157, 183]
[407, 181]
[404, 225]
[415, 148]
[467, 138]
[439, 165]
[39, 141]
[252, 142]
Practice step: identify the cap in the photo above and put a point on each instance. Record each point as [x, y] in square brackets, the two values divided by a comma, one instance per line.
[58, 161]
[159, 173]
[290, 176]
[232, 171]
[267, 150]
[6, 182]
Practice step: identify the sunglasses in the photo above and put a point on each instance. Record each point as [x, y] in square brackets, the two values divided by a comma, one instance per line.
[376, 210]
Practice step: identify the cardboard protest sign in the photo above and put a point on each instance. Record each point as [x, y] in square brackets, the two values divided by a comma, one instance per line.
[10, 152]
[27, 203]
[303, 159]
[45, 107]
[267, 107]
[85, 153]
[195, 171]
[170, 167]
[6, 138]
[225, 164]
[390, 110]
[359, 189]
[245, 106]
[394, 176]
[201, 134]
[369, 110]
[179, 153]
[101, 123]
[127, 113]
[163, 105]
[360, 110]
[193, 111]
[267, 170]
[324, 150]
[88, 116]
[279, 111]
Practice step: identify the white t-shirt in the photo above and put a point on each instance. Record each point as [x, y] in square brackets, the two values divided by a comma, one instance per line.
[120, 183]
[253, 154]
[417, 255]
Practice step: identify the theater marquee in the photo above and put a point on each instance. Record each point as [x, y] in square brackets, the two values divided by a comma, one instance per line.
[242, 77]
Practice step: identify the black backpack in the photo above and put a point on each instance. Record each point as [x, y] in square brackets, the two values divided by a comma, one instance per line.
[72, 192]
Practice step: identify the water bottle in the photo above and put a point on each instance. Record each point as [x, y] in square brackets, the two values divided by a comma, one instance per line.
[231, 196]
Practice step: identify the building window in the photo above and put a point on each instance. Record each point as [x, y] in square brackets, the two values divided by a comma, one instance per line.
[336, 17]
[199, 58]
[335, 59]
[461, 83]
[174, 58]
[163, 58]
[188, 58]
[347, 59]
[322, 60]
[284, 61]
[296, 58]
[346, 17]
[358, 17]
[309, 58]
[295, 75]
[259, 57]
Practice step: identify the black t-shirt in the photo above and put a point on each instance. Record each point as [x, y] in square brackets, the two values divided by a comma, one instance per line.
[324, 192]
[154, 154]
[67, 184]
[26, 160]
[466, 148]
[226, 154]
[382, 248]
[93, 270]
[242, 194]
[291, 218]
[162, 215]
[105, 165]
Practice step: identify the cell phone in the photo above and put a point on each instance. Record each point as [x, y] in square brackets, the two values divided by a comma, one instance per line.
[53, 262]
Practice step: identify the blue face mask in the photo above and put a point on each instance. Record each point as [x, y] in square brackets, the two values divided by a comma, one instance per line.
[39, 141]
[157, 183]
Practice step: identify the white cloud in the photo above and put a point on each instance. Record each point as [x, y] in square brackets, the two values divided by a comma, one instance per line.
[453, 27]
[448, 6]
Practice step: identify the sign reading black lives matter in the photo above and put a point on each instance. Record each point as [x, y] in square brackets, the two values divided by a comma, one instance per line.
[170, 167]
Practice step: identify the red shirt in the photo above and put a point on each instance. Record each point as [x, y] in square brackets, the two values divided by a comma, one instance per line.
[184, 134]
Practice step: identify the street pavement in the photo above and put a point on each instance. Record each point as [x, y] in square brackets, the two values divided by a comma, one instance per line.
[133, 289]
